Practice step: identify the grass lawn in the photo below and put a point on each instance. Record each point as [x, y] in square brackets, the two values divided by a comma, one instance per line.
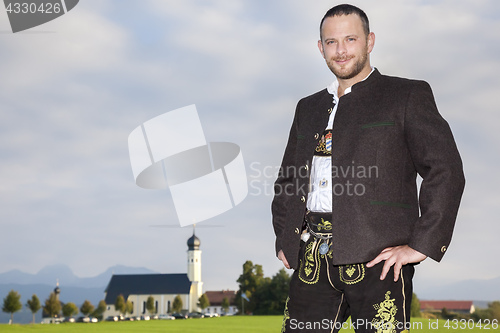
[207, 325]
[257, 324]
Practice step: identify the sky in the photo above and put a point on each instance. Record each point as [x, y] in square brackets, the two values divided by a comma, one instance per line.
[72, 90]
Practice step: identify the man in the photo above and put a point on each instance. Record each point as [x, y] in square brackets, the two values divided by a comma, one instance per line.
[346, 213]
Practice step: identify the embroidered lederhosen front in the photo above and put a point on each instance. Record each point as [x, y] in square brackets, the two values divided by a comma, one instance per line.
[323, 296]
[317, 238]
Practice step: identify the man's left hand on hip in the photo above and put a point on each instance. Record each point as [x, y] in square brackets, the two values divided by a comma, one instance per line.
[397, 256]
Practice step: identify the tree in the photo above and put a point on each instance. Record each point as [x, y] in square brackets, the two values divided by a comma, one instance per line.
[177, 304]
[270, 296]
[267, 295]
[203, 302]
[491, 313]
[481, 315]
[494, 308]
[86, 308]
[225, 304]
[278, 293]
[11, 304]
[129, 307]
[52, 305]
[69, 309]
[34, 305]
[415, 306]
[262, 298]
[249, 280]
[99, 311]
[150, 305]
[445, 314]
[280, 287]
[120, 304]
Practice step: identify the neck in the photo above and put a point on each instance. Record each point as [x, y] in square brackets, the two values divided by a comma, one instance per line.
[344, 84]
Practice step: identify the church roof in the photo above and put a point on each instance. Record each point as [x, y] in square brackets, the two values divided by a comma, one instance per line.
[146, 284]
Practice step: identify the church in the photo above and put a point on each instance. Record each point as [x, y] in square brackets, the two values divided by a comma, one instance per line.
[136, 288]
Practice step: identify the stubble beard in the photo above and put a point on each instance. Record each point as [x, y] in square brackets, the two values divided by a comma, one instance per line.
[356, 69]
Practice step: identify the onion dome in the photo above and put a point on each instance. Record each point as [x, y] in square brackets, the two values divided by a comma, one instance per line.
[193, 243]
[57, 290]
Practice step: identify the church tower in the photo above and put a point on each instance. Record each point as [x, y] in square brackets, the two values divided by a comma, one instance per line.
[194, 271]
[57, 290]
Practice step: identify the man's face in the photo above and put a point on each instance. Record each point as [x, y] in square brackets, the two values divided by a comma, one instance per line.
[345, 46]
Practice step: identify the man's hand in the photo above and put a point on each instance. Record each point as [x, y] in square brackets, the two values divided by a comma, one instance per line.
[397, 256]
[281, 256]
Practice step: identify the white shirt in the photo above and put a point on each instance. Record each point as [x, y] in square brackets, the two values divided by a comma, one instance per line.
[320, 183]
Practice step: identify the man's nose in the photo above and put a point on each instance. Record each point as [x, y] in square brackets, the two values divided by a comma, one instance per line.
[341, 49]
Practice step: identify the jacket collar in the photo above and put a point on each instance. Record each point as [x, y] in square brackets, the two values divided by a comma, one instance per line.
[333, 87]
[374, 76]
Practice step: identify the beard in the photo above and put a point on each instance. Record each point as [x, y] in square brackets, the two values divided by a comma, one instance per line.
[345, 73]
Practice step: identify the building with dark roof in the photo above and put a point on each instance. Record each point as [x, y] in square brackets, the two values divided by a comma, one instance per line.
[450, 306]
[137, 288]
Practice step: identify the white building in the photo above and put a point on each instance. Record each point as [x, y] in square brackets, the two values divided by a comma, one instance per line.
[162, 287]
[216, 299]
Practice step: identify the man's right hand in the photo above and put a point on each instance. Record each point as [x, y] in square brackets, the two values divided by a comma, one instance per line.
[281, 256]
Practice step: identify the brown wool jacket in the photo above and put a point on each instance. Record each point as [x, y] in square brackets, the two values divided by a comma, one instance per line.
[385, 132]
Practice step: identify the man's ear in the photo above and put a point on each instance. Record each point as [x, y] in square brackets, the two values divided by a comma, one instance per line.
[320, 47]
[371, 41]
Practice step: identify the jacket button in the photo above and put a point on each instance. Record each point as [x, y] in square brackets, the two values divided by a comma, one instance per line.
[297, 231]
[443, 249]
[330, 110]
[303, 199]
[316, 136]
[306, 167]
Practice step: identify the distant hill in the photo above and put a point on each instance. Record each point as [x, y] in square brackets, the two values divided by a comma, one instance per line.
[483, 290]
[73, 288]
[50, 274]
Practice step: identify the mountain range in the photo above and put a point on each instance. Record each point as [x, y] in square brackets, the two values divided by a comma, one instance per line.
[49, 275]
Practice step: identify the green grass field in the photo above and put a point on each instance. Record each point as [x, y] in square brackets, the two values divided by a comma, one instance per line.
[257, 324]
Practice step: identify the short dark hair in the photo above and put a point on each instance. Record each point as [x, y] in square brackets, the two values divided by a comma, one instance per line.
[347, 9]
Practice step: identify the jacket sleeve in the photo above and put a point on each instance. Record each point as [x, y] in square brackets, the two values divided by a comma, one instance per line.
[284, 183]
[436, 159]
